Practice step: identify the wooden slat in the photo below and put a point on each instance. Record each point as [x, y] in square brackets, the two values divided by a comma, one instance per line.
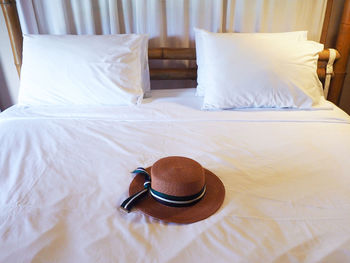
[321, 64]
[324, 55]
[321, 72]
[191, 73]
[176, 73]
[172, 53]
[190, 54]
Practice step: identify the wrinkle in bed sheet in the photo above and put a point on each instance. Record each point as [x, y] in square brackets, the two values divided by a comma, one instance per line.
[63, 176]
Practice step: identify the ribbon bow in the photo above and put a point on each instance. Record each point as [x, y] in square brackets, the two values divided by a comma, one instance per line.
[131, 200]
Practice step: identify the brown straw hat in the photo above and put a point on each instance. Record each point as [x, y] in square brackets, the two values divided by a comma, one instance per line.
[175, 189]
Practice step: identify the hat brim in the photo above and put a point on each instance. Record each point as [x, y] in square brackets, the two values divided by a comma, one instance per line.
[208, 205]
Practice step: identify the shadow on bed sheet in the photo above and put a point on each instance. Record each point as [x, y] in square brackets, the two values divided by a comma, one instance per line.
[5, 99]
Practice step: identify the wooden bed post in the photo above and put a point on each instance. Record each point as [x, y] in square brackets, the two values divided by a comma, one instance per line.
[343, 46]
[326, 20]
[14, 30]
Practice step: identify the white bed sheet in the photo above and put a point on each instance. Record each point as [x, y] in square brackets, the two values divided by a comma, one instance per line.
[64, 172]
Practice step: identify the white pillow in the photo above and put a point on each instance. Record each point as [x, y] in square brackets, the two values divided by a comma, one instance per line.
[202, 71]
[265, 72]
[84, 69]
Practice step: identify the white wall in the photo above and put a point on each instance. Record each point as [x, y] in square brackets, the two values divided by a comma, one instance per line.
[9, 81]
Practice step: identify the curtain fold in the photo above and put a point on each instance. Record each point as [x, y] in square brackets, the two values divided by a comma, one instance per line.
[170, 22]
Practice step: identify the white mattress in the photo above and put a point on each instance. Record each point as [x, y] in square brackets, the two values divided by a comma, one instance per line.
[65, 171]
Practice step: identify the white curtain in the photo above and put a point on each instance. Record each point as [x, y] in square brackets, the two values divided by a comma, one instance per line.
[170, 22]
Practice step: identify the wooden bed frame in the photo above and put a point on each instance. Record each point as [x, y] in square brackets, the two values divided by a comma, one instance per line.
[342, 46]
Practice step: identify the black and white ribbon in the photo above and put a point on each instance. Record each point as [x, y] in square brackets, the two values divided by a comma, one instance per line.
[131, 200]
[169, 200]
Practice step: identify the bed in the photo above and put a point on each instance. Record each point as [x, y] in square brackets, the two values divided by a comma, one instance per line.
[65, 171]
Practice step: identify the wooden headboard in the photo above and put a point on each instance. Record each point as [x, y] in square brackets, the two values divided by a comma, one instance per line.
[342, 46]
[191, 73]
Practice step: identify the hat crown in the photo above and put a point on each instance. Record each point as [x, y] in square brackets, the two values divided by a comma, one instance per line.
[177, 176]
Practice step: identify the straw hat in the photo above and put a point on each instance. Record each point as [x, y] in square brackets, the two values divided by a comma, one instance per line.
[175, 189]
